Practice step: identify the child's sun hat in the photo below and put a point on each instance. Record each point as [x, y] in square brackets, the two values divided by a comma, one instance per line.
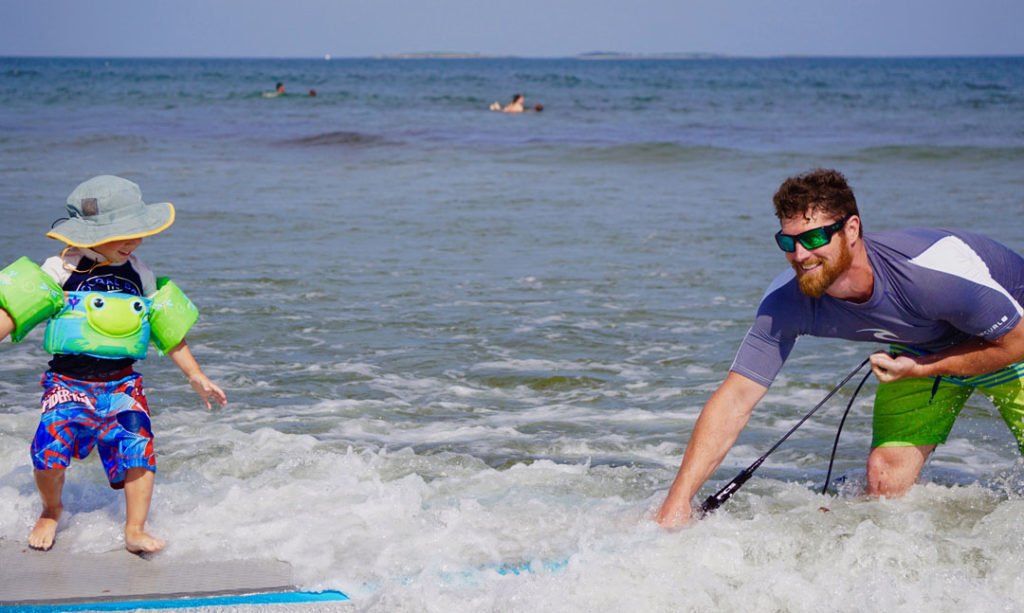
[108, 208]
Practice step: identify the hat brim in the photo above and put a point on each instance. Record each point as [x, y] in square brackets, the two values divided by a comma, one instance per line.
[78, 232]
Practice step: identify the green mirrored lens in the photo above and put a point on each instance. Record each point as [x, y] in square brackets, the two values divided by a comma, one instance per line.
[785, 242]
[812, 239]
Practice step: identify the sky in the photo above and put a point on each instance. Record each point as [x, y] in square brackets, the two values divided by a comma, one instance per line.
[526, 28]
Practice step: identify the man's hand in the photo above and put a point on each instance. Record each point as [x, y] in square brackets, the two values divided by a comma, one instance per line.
[888, 368]
[674, 513]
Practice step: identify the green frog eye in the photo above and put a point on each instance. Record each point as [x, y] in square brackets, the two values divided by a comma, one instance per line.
[138, 306]
[98, 302]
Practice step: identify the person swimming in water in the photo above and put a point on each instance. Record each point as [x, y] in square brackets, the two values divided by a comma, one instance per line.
[278, 90]
[516, 106]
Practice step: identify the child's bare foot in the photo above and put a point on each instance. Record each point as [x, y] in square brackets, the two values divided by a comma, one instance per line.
[137, 541]
[50, 482]
[44, 533]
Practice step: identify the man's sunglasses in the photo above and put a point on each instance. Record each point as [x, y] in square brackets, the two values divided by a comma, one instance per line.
[811, 239]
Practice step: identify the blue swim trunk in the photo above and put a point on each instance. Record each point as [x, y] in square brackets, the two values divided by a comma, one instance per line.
[79, 415]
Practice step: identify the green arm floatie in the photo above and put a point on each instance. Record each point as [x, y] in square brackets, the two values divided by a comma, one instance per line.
[171, 317]
[28, 295]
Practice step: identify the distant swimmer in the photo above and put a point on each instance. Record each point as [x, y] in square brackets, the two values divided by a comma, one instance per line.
[516, 106]
[278, 90]
[312, 93]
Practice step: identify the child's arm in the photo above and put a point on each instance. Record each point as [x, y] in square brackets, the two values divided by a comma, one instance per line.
[6, 324]
[182, 357]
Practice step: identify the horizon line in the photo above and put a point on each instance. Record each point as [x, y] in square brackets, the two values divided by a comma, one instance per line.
[456, 55]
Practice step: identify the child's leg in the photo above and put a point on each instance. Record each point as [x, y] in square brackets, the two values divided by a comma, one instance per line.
[138, 491]
[66, 430]
[126, 450]
[50, 483]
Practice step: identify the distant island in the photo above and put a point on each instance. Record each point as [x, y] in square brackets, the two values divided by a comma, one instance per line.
[590, 55]
[616, 55]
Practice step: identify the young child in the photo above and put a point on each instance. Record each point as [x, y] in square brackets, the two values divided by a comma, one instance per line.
[104, 306]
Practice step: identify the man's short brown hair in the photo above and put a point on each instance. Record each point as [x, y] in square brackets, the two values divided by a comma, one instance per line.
[822, 189]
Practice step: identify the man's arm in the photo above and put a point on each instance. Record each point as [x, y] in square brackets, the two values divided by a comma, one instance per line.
[721, 420]
[968, 359]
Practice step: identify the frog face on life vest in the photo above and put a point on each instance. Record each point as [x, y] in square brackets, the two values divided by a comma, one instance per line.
[113, 315]
[101, 324]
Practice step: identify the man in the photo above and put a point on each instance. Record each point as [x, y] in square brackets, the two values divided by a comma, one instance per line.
[947, 302]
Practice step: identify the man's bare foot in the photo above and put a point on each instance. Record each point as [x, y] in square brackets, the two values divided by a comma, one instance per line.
[44, 533]
[137, 541]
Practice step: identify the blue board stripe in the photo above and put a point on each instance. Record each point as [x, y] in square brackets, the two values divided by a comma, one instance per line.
[181, 603]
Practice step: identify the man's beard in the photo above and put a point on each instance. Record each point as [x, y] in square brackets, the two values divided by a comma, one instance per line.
[816, 283]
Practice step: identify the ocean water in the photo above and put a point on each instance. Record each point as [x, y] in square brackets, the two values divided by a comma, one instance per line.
[458, 342]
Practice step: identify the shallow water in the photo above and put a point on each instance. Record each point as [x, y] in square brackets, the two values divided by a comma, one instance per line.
[457, 341]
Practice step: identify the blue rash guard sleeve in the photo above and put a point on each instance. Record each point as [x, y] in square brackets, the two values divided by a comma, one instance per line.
[769, 340]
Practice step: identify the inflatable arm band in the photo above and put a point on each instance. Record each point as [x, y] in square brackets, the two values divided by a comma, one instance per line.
[172, 315]
[29, 296]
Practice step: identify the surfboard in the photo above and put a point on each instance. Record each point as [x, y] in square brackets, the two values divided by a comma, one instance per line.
[183, 602]
[56, 581]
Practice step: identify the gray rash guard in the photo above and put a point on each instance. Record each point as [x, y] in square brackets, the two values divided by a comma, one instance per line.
[933, 289]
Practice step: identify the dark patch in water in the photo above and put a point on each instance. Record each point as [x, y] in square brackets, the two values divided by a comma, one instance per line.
[541, 382]
[338, 139]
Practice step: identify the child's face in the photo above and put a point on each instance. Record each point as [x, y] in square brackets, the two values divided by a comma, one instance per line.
[118, 251]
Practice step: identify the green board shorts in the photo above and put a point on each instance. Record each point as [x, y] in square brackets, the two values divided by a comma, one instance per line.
[921, 411]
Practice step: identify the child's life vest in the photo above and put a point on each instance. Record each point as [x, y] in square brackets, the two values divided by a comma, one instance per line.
[100, 324]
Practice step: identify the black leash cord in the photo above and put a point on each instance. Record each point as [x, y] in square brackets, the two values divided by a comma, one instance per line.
[715, 501]
[835, 445]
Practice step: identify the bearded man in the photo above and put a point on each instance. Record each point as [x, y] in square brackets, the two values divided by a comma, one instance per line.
[948, 304]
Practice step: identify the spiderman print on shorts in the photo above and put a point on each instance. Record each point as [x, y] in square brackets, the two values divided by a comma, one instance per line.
[79, 415]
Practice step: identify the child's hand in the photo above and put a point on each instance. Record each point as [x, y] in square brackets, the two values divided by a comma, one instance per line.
[183, 359]
[207, 389]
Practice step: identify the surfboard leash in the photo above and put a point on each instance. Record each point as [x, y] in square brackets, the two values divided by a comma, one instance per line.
[716, 500]
[839, 430]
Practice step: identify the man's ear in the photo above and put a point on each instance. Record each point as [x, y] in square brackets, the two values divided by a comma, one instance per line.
[852, 229]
